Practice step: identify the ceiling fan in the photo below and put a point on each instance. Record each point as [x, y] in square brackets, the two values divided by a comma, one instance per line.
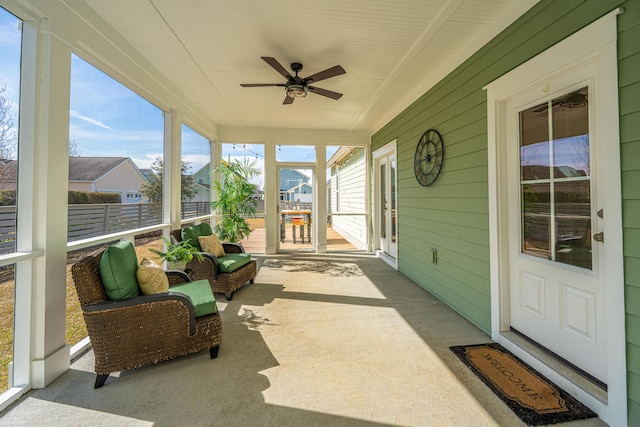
[297, 87]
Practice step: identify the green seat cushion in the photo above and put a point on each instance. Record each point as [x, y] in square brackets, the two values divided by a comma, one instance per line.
[118, 268]
[231, 262]
[192, 233]
[200, 294]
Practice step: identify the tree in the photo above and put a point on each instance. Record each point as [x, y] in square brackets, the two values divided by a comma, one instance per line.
[74, 151]
[152, 190]
[235, 201]
[8, 135]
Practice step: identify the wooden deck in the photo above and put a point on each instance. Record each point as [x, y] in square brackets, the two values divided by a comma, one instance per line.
[255, 243]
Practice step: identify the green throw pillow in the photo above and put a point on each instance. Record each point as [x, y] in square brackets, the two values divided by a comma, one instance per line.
[118, 268]
[203, 229]
[200, 294]
[192, 233]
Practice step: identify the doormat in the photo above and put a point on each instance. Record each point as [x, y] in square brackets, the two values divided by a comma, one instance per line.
[535, 399]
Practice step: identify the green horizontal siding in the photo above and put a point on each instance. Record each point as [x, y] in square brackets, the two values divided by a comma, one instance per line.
[452, 215]
[629, 81]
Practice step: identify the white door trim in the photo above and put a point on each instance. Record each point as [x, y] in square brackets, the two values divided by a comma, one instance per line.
[595, 43]
[384, 151]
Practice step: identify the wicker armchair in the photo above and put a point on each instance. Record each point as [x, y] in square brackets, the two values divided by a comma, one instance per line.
[208, 268]
[142, 330]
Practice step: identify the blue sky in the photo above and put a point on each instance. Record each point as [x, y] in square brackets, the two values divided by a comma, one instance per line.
[109, 120]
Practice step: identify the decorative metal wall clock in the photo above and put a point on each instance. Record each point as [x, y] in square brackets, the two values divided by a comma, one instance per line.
[427, 162]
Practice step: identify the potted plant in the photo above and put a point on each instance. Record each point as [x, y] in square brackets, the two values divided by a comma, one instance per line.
[235, 199]
[177, 255]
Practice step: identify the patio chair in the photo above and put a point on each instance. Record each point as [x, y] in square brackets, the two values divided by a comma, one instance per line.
[298, 221]
[226, 272]
[144, 329]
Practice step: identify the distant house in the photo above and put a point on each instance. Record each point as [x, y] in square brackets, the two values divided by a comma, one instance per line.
[302, 193]
[101, 174]
[8, 173]
[146, 173]
[108, 175]
[202, 184]
[291, 178]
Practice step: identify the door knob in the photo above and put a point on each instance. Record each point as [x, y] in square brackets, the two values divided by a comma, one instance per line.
[599, 237]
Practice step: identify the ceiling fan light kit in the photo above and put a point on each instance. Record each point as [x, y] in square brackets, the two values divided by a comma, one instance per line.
[296, 91]
[297, 87]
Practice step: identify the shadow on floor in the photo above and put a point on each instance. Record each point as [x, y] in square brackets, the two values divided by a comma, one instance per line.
[337, 340]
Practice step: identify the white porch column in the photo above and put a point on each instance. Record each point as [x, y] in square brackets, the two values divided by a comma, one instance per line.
[172, 170]
[271, 200]
[320, 199]
[215, 161]
[50, 352]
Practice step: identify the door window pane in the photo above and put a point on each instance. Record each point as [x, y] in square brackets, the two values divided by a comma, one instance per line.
[556, 207]
[534, 143]
[573, 222]
[536, 212]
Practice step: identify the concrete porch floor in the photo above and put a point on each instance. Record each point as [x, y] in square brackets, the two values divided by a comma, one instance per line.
[318, 340]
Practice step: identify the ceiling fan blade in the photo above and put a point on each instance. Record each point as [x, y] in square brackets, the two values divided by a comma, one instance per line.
[287, 100]
[324, 92]
[261, 84]
[276, 66]
[329, 72]
[545, 107]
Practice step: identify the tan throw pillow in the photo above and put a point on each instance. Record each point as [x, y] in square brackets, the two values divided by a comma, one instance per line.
[211, 244]
[151, 278]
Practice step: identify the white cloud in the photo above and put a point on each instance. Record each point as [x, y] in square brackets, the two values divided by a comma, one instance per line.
[89, 120]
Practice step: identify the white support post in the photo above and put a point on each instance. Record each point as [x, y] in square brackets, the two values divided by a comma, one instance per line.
[171, 187]
[216, 158]
[50, 182]
[368, 197]
[20, 367]
[271, 196]
[320, 199]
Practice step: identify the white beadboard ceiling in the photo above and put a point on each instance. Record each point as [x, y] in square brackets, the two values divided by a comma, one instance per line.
[392, 51]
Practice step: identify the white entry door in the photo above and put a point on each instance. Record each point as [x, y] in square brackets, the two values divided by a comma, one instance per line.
[386, 230]
[557, 277]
